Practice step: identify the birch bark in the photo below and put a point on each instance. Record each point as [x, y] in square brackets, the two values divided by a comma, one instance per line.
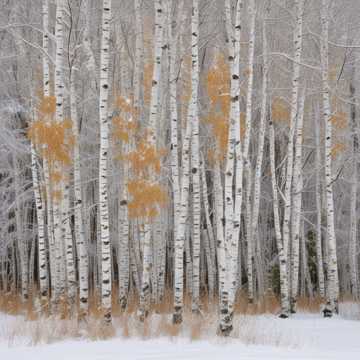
[333, 281]
[297, 200]
[154, 109]
[103, 164]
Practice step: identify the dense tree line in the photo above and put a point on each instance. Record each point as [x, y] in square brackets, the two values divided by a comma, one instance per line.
[196, 148]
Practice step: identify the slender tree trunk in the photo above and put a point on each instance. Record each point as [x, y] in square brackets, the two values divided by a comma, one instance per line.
[247, 162]
[195, 155]
[233, 156]
[78, 206]
[103, 165]
[284, 286]
[333, 280]
[297, 200]
[253, 236]
[59, 117]
[353, 201]
[154, 111]
[319, 250]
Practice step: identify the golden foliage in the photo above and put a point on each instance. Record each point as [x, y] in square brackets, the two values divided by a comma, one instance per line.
[56, 195]
[218, 89]
[145, 158]
[47, 105]
[220, 129]
[280, 110]
[246, 72]
[186, 77]
[123, 129]
[333, 73]
[55, 177]
[242, 125]
[337, 149]
[54, 140]
[148, 73]
[340, 120]
[124, 104]
[218, 85]
[146, 198]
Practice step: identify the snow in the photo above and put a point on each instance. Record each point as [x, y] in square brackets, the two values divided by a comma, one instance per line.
[303, 336]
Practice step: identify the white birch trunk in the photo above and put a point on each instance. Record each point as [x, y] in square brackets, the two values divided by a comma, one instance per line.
[260, 151]
[353, 199]
[139, 55]
[293, 116]
[297, 200]
[154, 110]
[59, 117]
[234, 155]
[78, 206]
[103, 164]
[40, 215]
[181, 231]
[333, 281]
[284, 287]
[247, 163]
[319, 250]
[195, 155]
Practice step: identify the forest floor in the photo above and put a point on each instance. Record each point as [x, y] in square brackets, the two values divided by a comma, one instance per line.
[305, 335]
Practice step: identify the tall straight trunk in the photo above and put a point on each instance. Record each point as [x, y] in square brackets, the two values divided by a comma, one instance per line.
[209, 233]
[181, 231]
[59, 117]
[284, 286]
[333, 280]
[181, 194]
[152, 125]
[319, 250]
[40, 214]
[22, 243]
[67, 240]
[233, 156]
[103, 164]
[253, 236]
[247, 162]
[139, 54]
[299, 4]
[353, 201]
[195, 155]
[220, 240]
[78, 206]
[297, 200]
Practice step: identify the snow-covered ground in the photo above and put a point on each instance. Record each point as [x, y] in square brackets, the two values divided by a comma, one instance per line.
[304, 336]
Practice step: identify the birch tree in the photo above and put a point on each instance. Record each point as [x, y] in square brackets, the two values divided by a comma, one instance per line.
[103, 163]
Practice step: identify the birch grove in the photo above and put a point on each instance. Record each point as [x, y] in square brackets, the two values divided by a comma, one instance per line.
[178, 157]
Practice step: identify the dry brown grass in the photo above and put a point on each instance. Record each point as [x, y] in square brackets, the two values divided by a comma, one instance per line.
[268, 304]
[125, 322]
[311, 305]
[166, 327]
[195, 329]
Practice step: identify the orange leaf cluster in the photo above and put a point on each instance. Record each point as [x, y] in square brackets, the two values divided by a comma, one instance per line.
[56, 195]
[146, 198]
[55, 143]
[186, 79]
[218, 89]
[145, 158]
[280, 111]
[148, 73]
[47, 106]
[340, 120]
[337, 149]
[242, 125]
[122, 129]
